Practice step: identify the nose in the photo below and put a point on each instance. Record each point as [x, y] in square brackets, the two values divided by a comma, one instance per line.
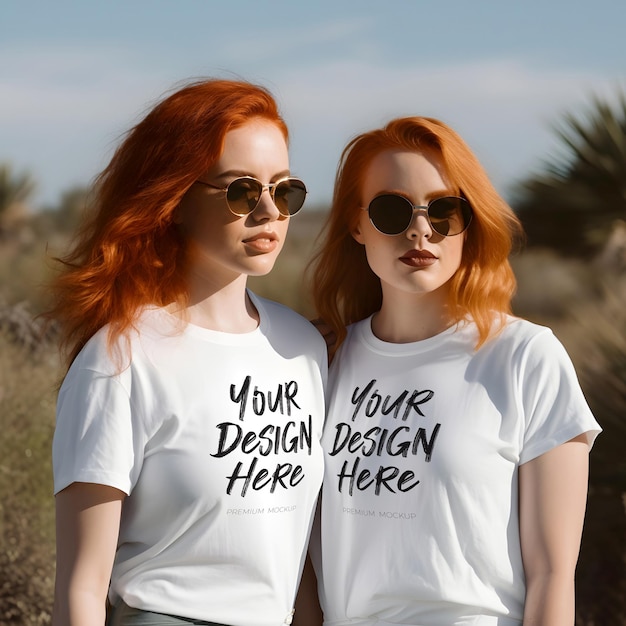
[420, 224]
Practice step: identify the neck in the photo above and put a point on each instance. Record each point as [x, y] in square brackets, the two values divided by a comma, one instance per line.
[225, 307]
[405, 318]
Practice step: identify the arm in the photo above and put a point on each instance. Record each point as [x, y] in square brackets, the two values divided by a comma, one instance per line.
[308, 611]
[553, 494]
[87, 526]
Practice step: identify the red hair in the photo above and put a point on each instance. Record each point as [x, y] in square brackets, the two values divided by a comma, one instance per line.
[346, 290]
[130, 253]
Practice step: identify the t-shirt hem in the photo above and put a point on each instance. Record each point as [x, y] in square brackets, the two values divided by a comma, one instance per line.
[573, 430]
[99, 478]
[478, 620]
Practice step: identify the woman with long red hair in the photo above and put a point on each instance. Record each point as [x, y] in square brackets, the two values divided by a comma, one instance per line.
[457, 436]
[186, 454]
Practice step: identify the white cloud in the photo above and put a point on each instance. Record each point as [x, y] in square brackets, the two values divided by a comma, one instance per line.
[63, 109]
[72, 84]
[504, 109]
[288, 39]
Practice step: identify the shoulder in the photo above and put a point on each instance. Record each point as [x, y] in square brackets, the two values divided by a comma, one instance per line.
[531, 350]
[358, 337]
[358, 330]
[97, 355]
[279, 319]
[520, 336]
[110, 357]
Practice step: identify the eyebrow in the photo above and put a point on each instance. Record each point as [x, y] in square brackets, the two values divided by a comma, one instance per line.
[232, 174]
[439, 193]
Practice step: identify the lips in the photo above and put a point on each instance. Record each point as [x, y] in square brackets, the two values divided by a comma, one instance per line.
[262, 242]
[418, 258]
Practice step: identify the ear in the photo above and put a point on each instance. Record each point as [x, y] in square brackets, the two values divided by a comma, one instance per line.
[357, 235]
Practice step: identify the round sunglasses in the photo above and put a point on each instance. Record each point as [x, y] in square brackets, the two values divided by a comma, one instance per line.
[244, 194]
[392, 214]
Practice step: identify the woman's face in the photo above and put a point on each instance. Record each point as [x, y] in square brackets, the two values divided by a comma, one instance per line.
[418, 261]
[223, 246]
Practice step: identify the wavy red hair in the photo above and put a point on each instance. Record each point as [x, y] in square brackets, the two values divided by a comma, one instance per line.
[130, 253]
[346, 290]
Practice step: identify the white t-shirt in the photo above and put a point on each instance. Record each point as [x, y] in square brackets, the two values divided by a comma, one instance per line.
[423, 441]
[215, 437]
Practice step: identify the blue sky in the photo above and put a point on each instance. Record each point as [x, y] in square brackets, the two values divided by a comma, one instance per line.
[74, 75]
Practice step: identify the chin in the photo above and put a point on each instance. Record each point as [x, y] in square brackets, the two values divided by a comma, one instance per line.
[261, 269]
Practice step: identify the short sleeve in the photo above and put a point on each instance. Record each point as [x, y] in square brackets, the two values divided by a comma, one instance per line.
[98, 437]
[554, 406]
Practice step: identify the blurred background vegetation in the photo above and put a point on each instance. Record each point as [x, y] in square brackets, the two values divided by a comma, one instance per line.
[571, 277]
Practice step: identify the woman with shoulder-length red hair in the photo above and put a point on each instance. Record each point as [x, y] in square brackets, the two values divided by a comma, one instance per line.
[186, 454]
[457, 436]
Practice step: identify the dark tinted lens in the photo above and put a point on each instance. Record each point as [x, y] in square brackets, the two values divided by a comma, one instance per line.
[243, 195]
[449, 216]
[390, 214]
[289, 196]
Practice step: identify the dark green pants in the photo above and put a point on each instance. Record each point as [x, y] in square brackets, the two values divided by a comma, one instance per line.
[124, 615]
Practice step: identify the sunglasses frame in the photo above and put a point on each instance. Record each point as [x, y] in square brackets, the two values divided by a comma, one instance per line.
[271, 187]
[420, 207]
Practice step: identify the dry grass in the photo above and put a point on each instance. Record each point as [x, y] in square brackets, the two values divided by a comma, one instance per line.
[27, 383]
[589, 318]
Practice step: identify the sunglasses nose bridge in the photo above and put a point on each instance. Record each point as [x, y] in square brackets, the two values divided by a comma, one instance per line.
[417, 211]
[271, 190]
[418, 208]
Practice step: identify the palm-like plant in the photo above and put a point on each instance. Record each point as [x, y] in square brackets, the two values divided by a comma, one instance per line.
[571, 206]
[600, 327]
